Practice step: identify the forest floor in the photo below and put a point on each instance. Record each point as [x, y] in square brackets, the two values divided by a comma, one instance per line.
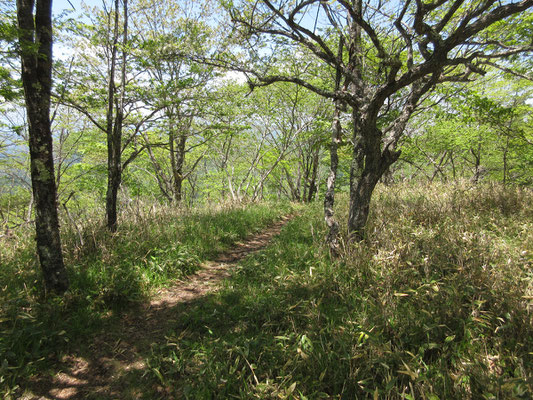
[435, 303]
[106, 367]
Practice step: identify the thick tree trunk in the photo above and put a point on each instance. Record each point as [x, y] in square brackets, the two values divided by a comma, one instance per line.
[360, 197]
[369, 164]
[37, 82]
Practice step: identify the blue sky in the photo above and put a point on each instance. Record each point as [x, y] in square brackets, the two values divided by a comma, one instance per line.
[60, 5]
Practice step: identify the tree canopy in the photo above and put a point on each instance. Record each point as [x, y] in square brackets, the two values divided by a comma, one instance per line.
[192, 102]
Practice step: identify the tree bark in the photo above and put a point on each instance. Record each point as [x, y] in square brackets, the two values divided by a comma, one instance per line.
[505, 162]
[35, 37]
[178, 167]
[295, 190]
[113, 171]
[114, 177]
[313, 188]
[332, 238]
[369, 163]
[477, 164]
[114, 125]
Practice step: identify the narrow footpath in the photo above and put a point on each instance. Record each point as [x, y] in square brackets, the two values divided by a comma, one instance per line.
[115, 356]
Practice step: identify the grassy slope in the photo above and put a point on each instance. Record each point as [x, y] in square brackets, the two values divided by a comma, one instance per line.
[108, 273]
[436, 303]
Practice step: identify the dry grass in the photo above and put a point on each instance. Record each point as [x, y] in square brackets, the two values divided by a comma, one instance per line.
[434, 304]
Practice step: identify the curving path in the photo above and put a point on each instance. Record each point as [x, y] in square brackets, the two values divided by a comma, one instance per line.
[117, 357]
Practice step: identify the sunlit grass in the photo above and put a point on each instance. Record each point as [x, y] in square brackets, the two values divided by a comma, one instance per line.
[435, 303]
[154, 246]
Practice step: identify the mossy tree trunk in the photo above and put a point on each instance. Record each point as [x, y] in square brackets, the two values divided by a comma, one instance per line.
[35, 35]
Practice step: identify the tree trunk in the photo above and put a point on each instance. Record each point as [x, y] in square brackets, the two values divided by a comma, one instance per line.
[452, 161]
[178, 167]
[162, 181]
[37, 82]
[505, 162]
[314, 174]
[114, 129]
[477, 164]
[438, 168]
[304, 182]
[114, 177]
[332, 238]
[369, 164]
[113, 173]
[295, 191]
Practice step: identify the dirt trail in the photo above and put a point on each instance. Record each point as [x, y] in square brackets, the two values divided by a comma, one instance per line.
[115, 356]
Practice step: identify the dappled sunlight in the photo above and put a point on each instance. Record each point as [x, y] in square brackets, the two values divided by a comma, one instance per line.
[115, 363]
[432, 303]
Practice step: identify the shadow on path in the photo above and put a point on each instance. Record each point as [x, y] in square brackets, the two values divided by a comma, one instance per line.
[113, 365]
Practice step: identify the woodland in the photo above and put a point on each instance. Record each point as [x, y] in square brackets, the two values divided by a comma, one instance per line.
[257, 199]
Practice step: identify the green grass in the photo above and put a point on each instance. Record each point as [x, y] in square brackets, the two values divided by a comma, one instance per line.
[155, 245]
[434, 304]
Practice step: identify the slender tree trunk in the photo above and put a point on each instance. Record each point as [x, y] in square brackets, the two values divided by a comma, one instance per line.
[298, 182]
[306, 167]
[295, 192]
[452, 161]
[329, 199]
[477, 164]
[113, 172]
[314, 174]
[259, 188]
[114, 177]
[178, 167]
[505, 161]
[234, 197]
[438, 168]
[30, 209]
[114, 127]
[280, 187]
[36, 56]
[332, 238]
[162, 181]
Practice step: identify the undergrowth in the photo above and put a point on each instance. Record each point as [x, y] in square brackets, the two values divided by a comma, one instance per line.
[154, 246]
[435, 303]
